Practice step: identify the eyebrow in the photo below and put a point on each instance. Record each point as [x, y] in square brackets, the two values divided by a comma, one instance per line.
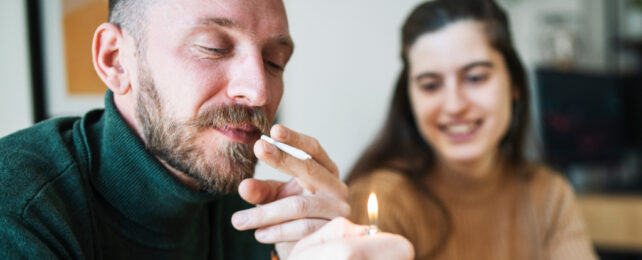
[471, 65]
[283, 39]
[223, 22]
[467, 67]
[426, 75]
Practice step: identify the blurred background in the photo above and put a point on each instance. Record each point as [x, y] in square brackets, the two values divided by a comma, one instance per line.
[584, 59]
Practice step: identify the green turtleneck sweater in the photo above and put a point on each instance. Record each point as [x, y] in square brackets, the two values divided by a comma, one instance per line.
[86, 188]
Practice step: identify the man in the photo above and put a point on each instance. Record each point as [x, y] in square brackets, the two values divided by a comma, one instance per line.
[192, 85]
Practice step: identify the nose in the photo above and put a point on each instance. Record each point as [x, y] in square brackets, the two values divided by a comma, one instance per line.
[248, 83]
[455, 100]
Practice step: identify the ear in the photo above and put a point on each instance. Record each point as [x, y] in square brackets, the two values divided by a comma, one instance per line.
[107, 49]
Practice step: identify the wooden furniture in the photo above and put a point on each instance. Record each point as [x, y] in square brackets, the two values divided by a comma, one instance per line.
[614, 222]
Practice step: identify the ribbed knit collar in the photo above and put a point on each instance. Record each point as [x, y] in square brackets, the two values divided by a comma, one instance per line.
[133, 181]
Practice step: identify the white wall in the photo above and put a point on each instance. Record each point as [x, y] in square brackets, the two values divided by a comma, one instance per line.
[15, 90]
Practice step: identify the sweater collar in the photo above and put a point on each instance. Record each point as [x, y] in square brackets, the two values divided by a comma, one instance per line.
[132, 180]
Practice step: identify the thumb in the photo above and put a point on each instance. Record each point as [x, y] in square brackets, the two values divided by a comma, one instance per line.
[265, 191]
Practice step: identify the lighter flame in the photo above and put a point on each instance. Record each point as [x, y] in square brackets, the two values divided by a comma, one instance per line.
[373, 208]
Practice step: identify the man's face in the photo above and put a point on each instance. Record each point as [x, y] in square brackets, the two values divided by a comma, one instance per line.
[209, 81]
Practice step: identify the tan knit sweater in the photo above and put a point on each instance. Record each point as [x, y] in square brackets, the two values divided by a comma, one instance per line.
[506, 217]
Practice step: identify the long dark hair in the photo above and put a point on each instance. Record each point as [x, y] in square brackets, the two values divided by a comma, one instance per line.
[399, 146]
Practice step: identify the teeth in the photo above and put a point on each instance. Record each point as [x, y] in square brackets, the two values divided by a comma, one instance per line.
[460, 128]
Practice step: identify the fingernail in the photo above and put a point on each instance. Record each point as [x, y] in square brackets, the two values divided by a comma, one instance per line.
[268, 148]
[239, 219]
[260, 235]
[282, 133]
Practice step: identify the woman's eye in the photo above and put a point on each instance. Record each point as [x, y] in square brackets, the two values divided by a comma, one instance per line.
[430, 87]
[475, 79]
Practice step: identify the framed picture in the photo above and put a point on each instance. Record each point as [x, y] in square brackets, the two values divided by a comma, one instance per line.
[64, 80]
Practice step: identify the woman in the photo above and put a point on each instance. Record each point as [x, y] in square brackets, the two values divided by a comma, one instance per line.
[448, 166]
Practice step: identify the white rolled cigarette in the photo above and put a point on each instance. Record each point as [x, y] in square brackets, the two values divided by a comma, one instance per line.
[301, 155]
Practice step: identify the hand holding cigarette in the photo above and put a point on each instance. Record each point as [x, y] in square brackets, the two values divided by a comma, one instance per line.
[286, 214]
[296, 153]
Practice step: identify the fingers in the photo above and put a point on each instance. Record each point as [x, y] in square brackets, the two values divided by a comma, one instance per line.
[336, 229]
[337, 250]
[289, 231]
[285, 215]
[310, 174]
[341, 239]
[288, 209]
[305, 143]
[260, 192]
[382, 246]
[284, 249]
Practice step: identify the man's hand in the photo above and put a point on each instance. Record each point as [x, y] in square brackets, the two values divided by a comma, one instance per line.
[341, 239]
[285, 214]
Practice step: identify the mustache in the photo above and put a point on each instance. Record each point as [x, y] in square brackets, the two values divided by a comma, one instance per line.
[233, 114]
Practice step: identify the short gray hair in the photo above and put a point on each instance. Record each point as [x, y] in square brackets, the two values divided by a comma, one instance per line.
[129, 15]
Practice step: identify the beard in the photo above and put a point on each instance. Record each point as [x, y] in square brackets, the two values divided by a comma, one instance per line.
[177, 143]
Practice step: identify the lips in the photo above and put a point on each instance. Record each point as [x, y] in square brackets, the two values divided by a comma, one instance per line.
[240, 133]
[461, 131]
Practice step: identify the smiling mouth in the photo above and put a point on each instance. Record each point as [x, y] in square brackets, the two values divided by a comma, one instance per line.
[461, 131]
[240, 133]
